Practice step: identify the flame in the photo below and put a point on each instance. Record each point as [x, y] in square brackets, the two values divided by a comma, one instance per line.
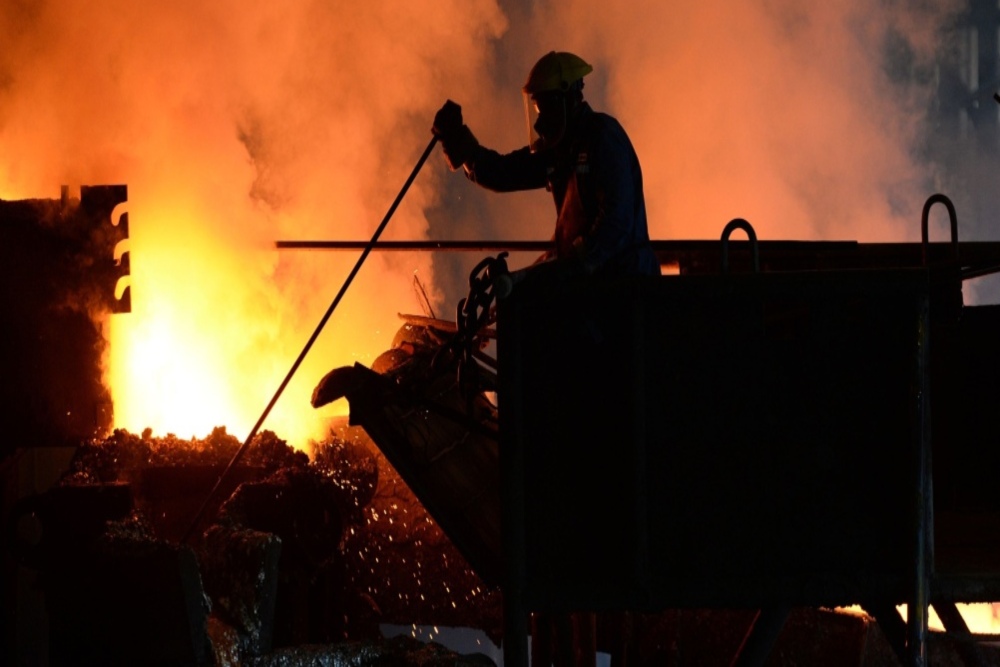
[211, 339]
[234, 126]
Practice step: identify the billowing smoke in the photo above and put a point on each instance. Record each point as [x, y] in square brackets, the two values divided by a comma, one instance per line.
[237, 124]
[808, 121]
[234, 125]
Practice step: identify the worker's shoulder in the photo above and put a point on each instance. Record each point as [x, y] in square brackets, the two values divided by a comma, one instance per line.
[604, 117]
[599, 122]
[604, 133]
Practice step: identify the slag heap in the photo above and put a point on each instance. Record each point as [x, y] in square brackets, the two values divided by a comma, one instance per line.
[297, 554]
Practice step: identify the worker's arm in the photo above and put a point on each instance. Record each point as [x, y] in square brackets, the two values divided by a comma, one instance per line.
[519, 170]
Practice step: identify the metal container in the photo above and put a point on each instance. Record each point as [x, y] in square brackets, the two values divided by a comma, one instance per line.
[712, 441]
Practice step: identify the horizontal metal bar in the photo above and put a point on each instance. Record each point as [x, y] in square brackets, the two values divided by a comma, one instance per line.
[476, 246]
[978, 258]
[971, 272]
[496, 244]
[968, 249]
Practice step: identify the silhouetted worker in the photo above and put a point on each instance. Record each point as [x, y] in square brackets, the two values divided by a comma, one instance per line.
[584, 158]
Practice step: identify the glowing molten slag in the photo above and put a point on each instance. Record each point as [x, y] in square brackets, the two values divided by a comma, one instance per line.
[210, 339]
[164, 383]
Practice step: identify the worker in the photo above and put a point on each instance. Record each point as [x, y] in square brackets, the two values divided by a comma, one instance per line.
[584, 158]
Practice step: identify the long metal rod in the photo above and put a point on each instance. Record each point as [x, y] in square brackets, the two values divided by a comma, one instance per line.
[474, 246]
[491, 245]
[972, 251]
[312, 339]
[979, 258]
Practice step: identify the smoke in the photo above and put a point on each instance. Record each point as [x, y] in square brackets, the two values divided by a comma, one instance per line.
[236, 124]
[796, 118]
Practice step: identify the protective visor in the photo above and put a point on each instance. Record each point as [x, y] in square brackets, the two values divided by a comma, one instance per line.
[545, 118]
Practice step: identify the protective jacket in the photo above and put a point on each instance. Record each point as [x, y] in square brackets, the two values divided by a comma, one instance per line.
[596, 184]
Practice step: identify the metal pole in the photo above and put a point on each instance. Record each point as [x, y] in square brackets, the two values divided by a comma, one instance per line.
[923, 564]
[468, 246]
[312, 339]
[516, 621]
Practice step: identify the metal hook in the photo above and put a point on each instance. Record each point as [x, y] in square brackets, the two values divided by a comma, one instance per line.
[739, 223]
[953, 217]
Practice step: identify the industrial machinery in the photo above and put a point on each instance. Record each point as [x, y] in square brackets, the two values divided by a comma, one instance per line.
[780, 424]
[60, 272]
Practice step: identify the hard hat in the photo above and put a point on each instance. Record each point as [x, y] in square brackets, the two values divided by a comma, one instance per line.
[556, 71]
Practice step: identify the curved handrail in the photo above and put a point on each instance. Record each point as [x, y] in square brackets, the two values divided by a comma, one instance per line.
[734, 224]
[952, 217]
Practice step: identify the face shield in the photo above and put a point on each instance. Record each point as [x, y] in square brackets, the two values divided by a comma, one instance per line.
[545, 115]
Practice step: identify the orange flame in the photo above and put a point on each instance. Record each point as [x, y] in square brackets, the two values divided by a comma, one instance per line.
[210, 339]
[234, 127]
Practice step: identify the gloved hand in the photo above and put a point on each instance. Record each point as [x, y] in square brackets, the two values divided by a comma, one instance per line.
[447, 121]
[456, 138]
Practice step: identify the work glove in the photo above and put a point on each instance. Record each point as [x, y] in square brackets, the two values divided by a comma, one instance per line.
[457, 140]
[447, 121]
